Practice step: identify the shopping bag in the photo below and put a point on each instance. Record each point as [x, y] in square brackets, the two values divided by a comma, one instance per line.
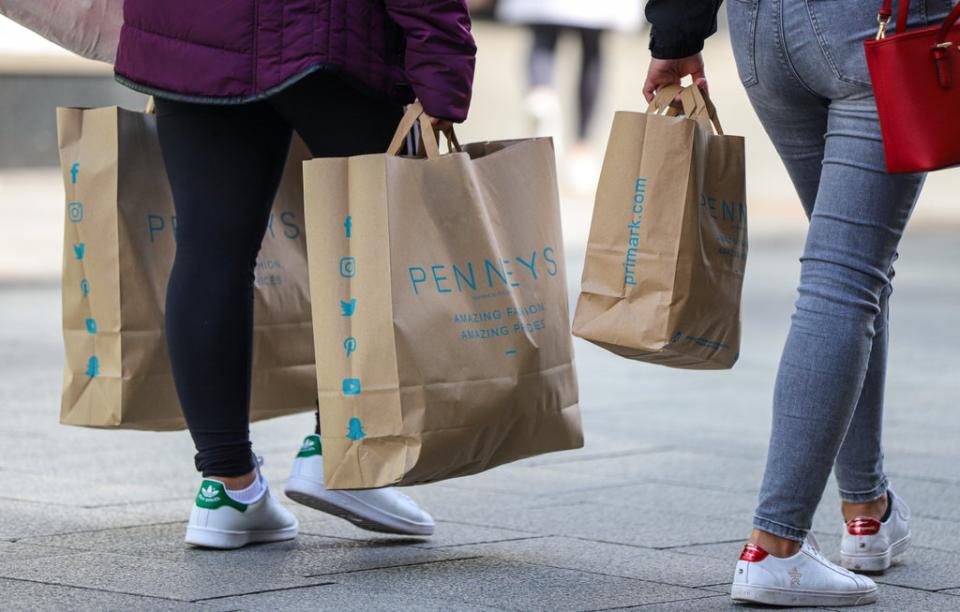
[119, 244]
[90, 28]
[439, 305]
[667, 247]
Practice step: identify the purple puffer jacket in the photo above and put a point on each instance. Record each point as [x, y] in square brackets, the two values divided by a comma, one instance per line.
[234, 51]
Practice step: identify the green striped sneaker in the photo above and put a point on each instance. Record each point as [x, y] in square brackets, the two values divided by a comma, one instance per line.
[384, 510]
[219, 521]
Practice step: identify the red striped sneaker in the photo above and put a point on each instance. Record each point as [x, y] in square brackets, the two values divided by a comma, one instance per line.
[870, 545]
[805, 579]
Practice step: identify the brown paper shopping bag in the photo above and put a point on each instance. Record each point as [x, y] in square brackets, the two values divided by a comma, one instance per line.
[440, 310]
[119, 243]
[668, 241]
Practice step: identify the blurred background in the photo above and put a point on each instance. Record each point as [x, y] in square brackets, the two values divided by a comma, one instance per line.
[37, 76]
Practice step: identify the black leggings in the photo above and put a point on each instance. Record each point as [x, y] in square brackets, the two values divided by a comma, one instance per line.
[542, 60]
[225, 163]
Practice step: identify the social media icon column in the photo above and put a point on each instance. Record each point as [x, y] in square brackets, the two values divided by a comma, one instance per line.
[75, 215]
[350, 386]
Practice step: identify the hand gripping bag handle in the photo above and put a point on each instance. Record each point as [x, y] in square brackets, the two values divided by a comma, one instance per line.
[428, 133]
[696, 105]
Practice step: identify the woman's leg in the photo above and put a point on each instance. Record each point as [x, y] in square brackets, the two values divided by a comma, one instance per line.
[336, 120]
[591, 69]
[859, 465]
[857, 222]
[832, 370]
[224, 165]
[542, 55]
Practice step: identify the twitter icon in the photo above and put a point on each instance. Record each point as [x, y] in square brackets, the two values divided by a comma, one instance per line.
[348, 308]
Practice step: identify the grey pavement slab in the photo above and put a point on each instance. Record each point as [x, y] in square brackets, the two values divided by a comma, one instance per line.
[529, 480]
[612, 560]
[680, 466]
[890, 598]
[308, 554]
[447, 533]
[896, 599]
[22, 549]
[335, 597]
[933, 468]
[516, 586]
[661, 496]
[614, 524]
[31, 596]
[188, 579]
[710, 602]
[924, 568]
[22, 519]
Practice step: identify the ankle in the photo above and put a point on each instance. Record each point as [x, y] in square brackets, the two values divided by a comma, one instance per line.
[875, 509]
[775, 545]
[236, 483]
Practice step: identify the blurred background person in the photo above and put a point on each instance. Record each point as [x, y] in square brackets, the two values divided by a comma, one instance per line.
[587, 21]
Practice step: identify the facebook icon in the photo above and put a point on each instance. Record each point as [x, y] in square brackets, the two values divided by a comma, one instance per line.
[348, 225]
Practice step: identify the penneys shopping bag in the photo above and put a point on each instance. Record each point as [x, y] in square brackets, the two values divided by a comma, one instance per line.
[119, 243]
[439, 305]
[667, 247]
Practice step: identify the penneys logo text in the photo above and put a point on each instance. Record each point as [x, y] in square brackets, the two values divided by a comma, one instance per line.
[484, 275]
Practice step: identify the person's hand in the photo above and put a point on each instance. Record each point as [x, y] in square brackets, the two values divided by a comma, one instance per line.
[663, 72]
[441, 125]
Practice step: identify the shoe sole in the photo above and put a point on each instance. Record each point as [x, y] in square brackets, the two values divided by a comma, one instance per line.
[349, 508]
[223, 539]
[875, 562]
[785, 597]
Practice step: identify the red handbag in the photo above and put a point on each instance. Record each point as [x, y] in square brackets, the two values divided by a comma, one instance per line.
[916, 81]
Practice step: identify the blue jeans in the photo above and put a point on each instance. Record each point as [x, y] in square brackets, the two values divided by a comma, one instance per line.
[803, 65]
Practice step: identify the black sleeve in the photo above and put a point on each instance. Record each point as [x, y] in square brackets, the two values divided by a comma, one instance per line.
[679, 27]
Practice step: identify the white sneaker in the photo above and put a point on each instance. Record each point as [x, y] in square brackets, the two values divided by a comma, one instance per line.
[383, 510]
[869, 545]
[805, 579]
[219, 521]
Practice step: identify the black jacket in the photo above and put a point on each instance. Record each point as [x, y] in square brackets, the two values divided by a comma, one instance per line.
[679, 27]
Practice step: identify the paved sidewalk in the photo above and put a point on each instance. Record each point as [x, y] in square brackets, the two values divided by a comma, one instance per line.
[651, 513]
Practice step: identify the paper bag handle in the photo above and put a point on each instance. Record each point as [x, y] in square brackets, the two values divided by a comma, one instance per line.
[696, 105]
[699, 106]
[661, 102]
[428, 133]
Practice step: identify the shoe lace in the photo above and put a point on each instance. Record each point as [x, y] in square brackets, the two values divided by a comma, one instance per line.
[814, 546]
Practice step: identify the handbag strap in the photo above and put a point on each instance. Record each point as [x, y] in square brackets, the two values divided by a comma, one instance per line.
[948, 24]
[886, 13]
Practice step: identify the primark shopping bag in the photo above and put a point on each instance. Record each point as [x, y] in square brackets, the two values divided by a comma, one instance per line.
[668, 242]
[119, 243]
[440, 307]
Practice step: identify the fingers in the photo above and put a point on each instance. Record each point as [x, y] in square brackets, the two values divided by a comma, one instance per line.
[700, 80]
[649, 89]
